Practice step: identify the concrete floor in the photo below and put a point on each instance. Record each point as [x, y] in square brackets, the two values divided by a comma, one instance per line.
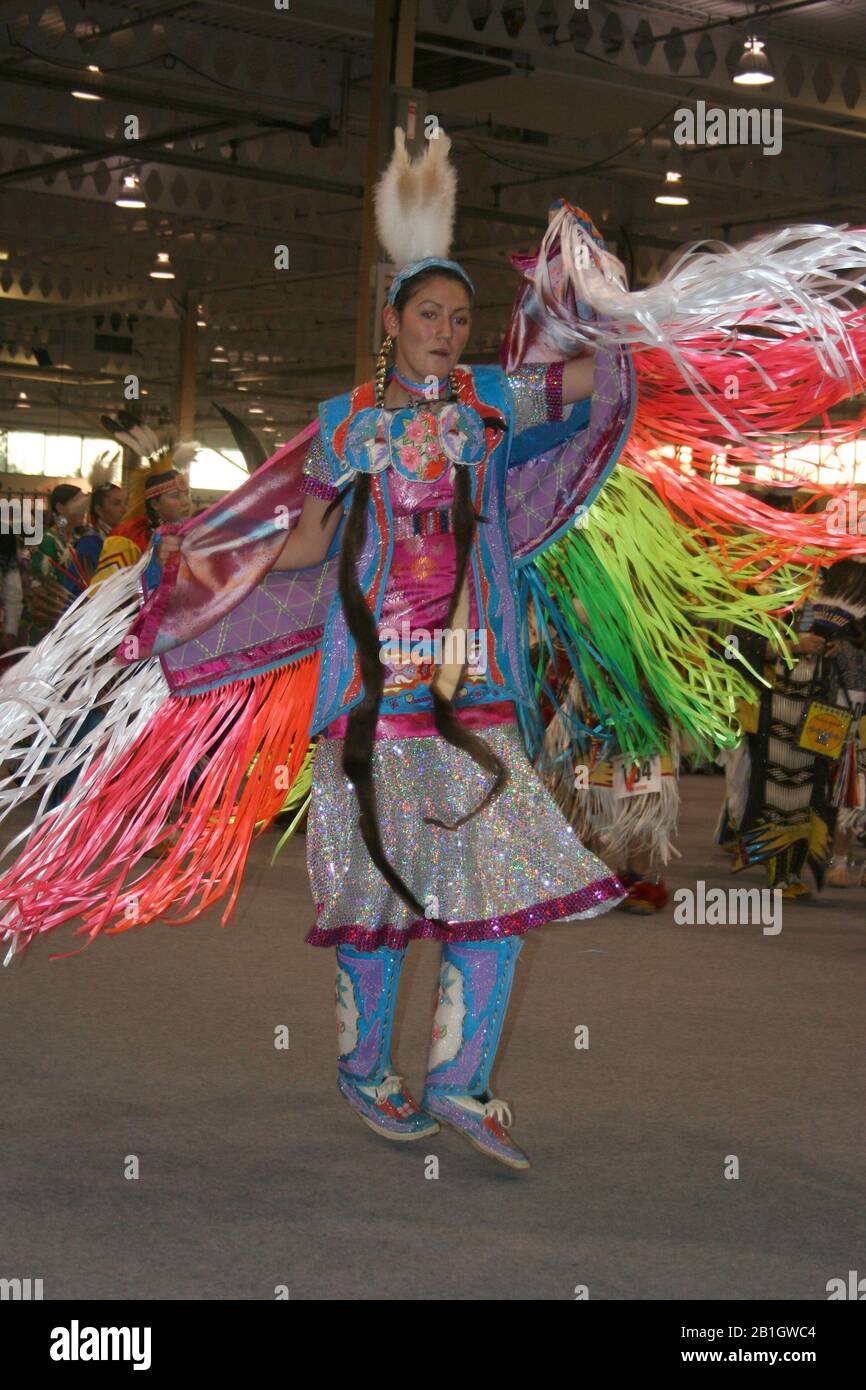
[705, 1042]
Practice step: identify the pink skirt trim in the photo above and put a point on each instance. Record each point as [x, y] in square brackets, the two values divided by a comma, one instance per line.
[589, 901]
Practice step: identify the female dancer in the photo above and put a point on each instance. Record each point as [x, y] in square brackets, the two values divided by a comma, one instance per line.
[432, 496]
[57, 575]
[107, 505]
[429, 444]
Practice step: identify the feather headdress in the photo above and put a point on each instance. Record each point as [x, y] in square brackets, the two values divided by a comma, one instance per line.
[415, 201]
[102, 470]
[144, 481]
[128, 430]
[841, 599]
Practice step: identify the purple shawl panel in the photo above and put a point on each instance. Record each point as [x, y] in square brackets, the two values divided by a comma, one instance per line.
[227, 551]
[543, 495]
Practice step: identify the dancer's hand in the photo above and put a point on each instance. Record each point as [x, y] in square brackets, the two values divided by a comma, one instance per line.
[166, 546]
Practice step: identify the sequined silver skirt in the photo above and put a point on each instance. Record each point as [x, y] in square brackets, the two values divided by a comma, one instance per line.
[513, 867]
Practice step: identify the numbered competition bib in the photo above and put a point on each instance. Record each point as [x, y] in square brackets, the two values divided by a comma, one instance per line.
[636, 779]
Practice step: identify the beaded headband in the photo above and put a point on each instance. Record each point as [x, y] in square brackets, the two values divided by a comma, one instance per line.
[415, 268]
[162, 482]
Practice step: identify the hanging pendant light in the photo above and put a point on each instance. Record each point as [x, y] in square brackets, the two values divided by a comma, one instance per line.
[162, 270]
[753, 69]
[130, 196]
[672, 195]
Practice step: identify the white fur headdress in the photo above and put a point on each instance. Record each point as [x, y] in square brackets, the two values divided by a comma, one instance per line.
[415, 201]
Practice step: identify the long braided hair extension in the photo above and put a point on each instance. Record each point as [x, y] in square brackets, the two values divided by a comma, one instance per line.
[357, 761]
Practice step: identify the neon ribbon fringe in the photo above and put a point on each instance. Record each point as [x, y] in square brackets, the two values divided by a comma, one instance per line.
[641, 605]
[255, 736]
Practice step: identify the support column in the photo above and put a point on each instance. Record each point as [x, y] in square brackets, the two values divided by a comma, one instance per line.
[393, 61]
[186, 398]
[404, 48]
[128, 464]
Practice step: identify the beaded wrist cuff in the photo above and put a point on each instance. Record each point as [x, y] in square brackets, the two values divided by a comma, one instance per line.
[553, 389]
[325, 491]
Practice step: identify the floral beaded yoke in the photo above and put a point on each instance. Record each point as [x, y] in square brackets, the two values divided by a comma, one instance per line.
[496, 422]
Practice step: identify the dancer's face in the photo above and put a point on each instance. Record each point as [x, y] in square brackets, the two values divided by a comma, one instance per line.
[112, 507]
[74, 511]
[174, 505]
[432, 330]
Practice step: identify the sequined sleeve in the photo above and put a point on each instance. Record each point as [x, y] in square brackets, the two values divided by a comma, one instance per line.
[317, 473]
[537, 394]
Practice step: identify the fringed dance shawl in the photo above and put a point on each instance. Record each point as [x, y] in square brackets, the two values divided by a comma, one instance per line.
[733, 349]
[730, 350]
[229, 656]
[223, 662]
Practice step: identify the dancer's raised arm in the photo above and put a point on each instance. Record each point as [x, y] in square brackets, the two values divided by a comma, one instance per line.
[577, 378]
